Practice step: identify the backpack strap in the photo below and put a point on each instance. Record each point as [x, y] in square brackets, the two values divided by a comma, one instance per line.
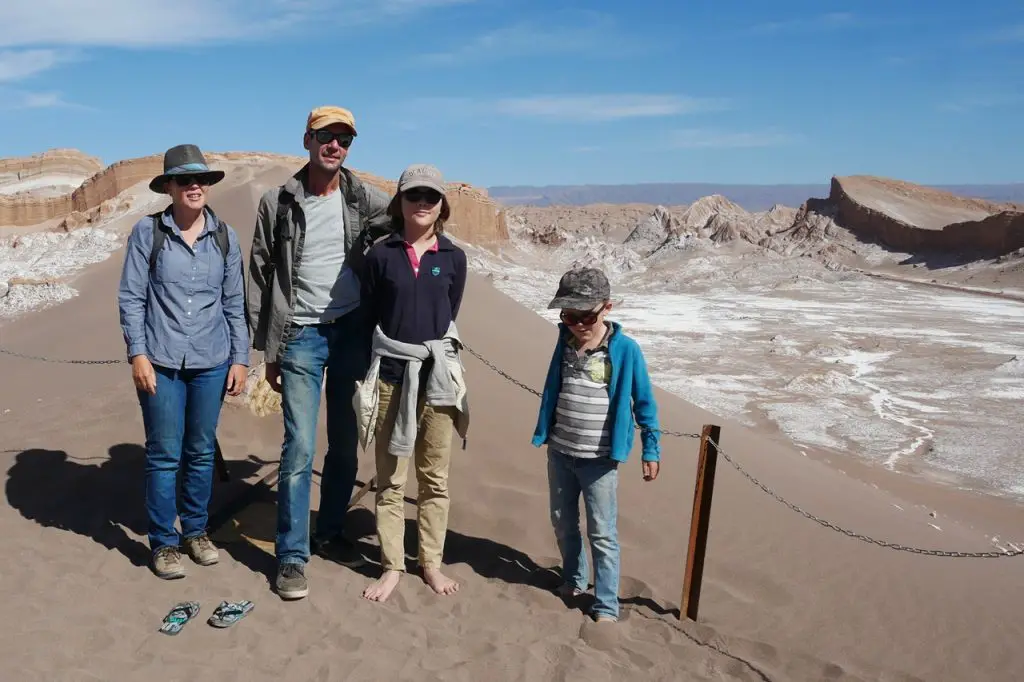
[220, 236]
[159, 236]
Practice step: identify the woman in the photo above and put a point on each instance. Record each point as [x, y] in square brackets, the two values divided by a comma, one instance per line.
[183, 319]
[414, 394]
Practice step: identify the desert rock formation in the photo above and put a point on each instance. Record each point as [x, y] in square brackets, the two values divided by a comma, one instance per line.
[913, 218]
[475, 217]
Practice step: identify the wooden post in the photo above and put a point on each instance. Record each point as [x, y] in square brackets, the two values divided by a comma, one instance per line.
[699, 518]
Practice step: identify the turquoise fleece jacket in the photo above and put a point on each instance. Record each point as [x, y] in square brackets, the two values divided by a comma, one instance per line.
[630, 395]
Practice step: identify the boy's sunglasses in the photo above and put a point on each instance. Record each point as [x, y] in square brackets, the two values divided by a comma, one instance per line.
[424, 194]
[587, 318]
[324, 136]
[188, 180]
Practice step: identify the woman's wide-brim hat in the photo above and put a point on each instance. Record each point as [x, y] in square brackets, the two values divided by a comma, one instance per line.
[185, 159]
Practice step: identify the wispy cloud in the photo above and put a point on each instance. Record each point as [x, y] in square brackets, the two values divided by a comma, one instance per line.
[138, 23]
[575, 34]
[977, 102]
[578, 108]
[831, 20]
[16, 65]
[695, 138]
[13, 99]
[1006, 34]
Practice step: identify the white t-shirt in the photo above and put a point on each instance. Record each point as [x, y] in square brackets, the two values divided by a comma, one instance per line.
[324, 290]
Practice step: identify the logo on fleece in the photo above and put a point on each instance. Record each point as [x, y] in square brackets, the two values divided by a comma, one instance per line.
[435, 271]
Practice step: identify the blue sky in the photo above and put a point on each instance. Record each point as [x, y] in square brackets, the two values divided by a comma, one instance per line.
[529, 92]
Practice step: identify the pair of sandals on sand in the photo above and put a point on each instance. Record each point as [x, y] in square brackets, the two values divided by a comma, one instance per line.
[224, 616]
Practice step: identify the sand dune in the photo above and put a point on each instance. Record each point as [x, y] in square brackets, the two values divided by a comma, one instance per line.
[784, 598]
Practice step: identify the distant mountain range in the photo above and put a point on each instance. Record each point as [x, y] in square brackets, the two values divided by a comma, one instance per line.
[750, 197]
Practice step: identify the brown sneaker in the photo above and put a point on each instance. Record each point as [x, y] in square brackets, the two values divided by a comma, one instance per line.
[201, 549]
[167, 563]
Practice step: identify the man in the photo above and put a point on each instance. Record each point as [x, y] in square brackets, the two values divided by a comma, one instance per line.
[304, 309]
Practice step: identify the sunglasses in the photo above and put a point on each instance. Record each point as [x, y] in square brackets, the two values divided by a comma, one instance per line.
[325, 136]
[422, 194]
[188, 180]
[586, 318]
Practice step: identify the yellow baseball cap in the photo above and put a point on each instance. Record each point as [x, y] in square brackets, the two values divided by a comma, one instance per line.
[321, 117]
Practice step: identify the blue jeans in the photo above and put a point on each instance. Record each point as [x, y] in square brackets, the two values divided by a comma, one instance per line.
[342, 350]
[597, 479]
[181, 427]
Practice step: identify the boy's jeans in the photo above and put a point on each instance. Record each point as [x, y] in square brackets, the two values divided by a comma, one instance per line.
[181, 426]
[342, 349]
[597, 479]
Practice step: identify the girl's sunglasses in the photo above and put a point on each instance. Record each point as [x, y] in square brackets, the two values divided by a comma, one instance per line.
[422, 194]
[586, 318]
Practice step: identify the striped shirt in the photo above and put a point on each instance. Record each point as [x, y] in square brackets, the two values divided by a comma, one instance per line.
[582, 425]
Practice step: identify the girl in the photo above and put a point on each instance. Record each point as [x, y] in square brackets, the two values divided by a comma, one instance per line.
[412, 287]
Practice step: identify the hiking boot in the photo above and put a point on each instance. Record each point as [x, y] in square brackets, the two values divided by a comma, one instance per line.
[201, 549]
[167, 563]
[339, 550]
[291, 581]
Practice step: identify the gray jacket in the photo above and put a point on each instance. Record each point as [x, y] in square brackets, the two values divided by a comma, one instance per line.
[277, 251]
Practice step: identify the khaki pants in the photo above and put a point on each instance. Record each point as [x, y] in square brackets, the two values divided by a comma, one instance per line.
[432, 458]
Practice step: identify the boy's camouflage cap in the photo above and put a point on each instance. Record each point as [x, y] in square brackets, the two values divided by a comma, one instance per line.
[581, 289]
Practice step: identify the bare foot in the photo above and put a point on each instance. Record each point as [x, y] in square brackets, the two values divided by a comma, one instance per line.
[383, 587]
[439, 582]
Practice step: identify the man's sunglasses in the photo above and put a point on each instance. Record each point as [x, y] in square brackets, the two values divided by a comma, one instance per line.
[422, 194]
[189, 180]
[324, 136]
[587, 318]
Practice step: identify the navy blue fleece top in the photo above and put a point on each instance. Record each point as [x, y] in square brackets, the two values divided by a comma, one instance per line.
[412, 308]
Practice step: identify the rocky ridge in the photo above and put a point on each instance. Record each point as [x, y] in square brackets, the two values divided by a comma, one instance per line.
[475, 217]
[862, 216]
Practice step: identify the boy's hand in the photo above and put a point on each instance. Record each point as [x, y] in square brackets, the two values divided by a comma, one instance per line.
[651, 470]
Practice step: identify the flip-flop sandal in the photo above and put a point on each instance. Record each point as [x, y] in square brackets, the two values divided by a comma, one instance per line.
[181, 614]
[228, 613]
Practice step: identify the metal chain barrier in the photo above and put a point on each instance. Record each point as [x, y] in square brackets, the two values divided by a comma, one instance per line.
[859, 536]
[678, 434]
[799, 510]
[24, 356]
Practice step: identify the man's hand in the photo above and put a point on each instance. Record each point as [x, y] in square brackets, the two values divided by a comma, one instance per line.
[273, 374]
[651, 470]
[143, 374]
[236, 379]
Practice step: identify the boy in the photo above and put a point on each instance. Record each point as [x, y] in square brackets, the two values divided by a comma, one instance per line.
[596, 385]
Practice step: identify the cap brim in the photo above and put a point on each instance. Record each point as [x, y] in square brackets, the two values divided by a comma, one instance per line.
[574, 303]
[329, 121]
[413, 184]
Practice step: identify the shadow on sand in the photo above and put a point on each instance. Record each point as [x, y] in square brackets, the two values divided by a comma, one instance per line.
[99, 498]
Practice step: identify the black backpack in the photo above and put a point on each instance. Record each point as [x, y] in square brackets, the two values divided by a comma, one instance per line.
[220, 237]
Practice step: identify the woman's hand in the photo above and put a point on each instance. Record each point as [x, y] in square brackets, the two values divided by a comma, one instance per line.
[143, 374]
[236, 379]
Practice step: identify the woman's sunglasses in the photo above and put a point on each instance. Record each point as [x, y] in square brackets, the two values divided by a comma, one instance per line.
[587, 318]
[422, 194]
[324, 136]
[189, 180]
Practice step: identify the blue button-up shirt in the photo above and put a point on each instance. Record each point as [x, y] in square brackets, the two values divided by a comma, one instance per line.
[190, 312]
